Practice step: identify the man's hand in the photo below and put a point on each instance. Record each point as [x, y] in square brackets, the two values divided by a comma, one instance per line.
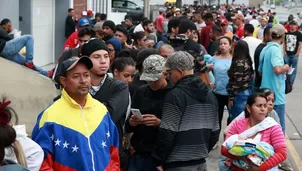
[210, 67]
[160, 168]
[151, 120]
[134, 121]
[286, 68]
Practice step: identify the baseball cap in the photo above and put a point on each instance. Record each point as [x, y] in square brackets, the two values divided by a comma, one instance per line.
[177, 9]
[161, 9]
[83, 22]
[89, 12]
[264, 18]
[84, 13]
[70, 63]
[180, 60]
[293, 22]
[278, 29]
[224, 22]
[153, 68]
[238, 16]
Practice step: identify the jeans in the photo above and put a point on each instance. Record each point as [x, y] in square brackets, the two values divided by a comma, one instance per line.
[292, 61]
[198, 167]
[280, 109]
[221, 164]
[142, 163]
[222, 102]
[239, 103]
[12, 48]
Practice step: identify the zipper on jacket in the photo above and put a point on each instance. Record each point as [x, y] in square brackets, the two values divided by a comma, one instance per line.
[89, 145]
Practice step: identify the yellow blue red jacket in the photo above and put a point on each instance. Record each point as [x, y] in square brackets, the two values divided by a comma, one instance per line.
[75, 138]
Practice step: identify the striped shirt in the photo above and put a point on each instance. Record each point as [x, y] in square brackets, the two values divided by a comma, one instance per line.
[272, 135]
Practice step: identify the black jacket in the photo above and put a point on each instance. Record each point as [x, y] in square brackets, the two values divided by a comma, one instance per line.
[189, 126]
[4, 37]
[148, 102]
[70, 25]
[114, 94]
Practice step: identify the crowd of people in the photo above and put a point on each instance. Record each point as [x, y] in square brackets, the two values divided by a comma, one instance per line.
[152, 96]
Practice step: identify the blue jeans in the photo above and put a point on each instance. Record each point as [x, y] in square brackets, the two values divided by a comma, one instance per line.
[142, 163]
[280, 109]
[12, 48]
[292, 61]
[239, 103]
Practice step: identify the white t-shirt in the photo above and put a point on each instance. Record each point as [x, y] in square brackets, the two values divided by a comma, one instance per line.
[252, 43]
[138, 28]
[255, 23]
[200, 26]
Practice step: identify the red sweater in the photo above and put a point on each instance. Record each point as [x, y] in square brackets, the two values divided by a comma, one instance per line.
[205, 36]
[273, 136]
[72, 41]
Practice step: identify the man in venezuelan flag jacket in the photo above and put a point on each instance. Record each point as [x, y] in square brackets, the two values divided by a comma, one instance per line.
[76, 138]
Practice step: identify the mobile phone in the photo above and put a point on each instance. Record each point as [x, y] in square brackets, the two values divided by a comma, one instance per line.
[137, 113]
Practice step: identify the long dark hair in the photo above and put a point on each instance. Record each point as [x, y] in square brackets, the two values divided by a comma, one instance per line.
[241, 52]
[120, 63]
[8, 134]
[251, 100]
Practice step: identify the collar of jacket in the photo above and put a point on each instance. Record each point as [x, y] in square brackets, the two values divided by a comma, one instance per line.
[73, 103]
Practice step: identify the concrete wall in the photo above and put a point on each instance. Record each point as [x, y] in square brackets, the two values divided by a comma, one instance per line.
[25, 12]
[61, 11]
[10, 9]
[29, 92]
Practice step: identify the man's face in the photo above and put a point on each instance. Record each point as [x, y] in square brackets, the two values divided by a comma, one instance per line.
[214, 16]
[107, 31]
[293, 27]
[71, 13]
[101, 62]
[263, 23]
[149, 28]
[237, 21]
[8, 27]
[197, 17]
[166, 52]
[128, 22]
[158, 84]
[83, 40]
[77, 81]
[121, 36]
[177, 13]
[174, 75]
[97, 19]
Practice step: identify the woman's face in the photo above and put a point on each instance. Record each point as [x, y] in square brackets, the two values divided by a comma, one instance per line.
[126, 75]
[270, 102]
[258, 110]
[143, 42]
[225, 45]
[111, 52]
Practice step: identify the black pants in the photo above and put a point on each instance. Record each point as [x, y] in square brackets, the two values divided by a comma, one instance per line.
[222, 101]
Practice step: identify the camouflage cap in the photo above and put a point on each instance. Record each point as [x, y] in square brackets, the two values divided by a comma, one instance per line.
[180, 60]
[153, 68]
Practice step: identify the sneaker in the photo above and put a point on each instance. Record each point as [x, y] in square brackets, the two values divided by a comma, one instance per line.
[29, 65]
[50, 73]
[285, 166]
